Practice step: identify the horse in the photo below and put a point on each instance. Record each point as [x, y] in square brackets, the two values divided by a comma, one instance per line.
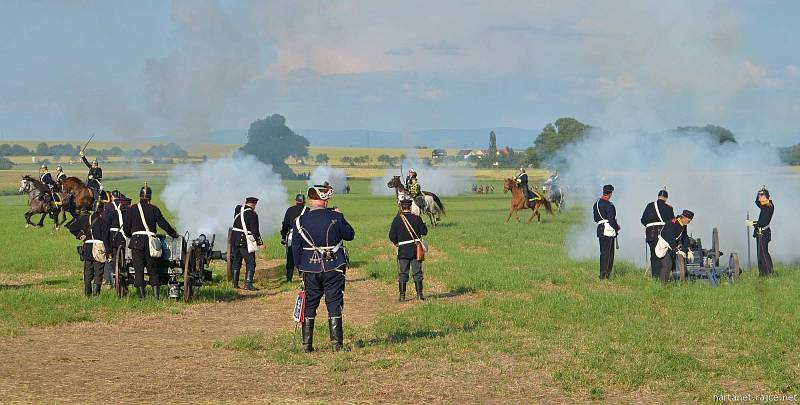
[78, 197]
[555, 195]
[520, 201]
[39, 201]
[433, 205]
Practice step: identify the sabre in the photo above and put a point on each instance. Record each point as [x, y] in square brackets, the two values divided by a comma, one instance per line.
[747, 235]
[87, 142]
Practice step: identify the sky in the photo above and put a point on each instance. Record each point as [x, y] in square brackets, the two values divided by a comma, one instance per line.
[141, 69]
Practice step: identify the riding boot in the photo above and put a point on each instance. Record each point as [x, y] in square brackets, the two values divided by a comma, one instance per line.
[157, 291]
[235, 279]
[96, 289]
[248, 281]
[308, 335]
[402, 287]
[140, 289]
[337, 334]
[418, 285]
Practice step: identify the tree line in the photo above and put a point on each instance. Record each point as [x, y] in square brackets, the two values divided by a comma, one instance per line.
[169, 150]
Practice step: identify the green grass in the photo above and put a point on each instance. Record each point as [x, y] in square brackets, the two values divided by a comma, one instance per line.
[511, 291]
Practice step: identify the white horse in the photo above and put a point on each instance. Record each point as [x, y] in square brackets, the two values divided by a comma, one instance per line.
[433, 205]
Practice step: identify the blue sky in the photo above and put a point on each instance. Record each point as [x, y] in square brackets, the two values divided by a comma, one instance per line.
[139, 69]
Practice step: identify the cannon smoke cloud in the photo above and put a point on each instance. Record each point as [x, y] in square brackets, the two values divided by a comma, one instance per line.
[718, 182]
[441, 180]
[336, 177]
[203, 196]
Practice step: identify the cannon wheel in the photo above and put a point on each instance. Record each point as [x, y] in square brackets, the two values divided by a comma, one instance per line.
[715, 246]
[733, 267]
[680, 266]
[120, 284]
[188, 285]
[228, 258]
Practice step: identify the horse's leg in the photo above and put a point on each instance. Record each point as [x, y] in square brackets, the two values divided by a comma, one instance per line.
[41, 220]
[28, 216]
[533, 213]
[510, 211]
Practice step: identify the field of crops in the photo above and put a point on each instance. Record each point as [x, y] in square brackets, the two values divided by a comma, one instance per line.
[509, 318]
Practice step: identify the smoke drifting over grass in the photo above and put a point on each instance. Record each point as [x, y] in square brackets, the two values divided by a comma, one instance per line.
[441, 180]
[336, 177]
[718, 182]
[203, 196]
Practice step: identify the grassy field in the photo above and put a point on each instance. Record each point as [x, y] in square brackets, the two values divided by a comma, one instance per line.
[512, 302]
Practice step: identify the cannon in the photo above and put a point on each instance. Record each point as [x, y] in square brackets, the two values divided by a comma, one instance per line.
[706, 265]
[183, 264]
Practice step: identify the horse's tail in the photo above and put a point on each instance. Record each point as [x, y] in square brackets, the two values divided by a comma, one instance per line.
[438, 201]
[547, 205]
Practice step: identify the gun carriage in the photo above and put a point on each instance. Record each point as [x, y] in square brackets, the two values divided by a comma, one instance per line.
[706, 265]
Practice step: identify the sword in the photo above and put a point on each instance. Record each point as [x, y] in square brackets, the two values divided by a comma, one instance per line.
[87, 143]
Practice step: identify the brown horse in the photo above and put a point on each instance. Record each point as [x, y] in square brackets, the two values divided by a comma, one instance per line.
[82, 197]
[519, 201]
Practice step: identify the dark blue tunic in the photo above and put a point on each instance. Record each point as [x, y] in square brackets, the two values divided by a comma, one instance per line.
[326, 229]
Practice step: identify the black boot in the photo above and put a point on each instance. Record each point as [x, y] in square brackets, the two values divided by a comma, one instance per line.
[96, 289]
[248, 281]
[157, 291]
[87, 289]
[235, 279]
[308, 335]
[402, 287]
[140, 289]
[337, 334]
[418, 285]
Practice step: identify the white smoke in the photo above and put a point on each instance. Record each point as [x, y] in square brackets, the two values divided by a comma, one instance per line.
[203, 196]
[337, 178]
[717, 182]
[440, 180]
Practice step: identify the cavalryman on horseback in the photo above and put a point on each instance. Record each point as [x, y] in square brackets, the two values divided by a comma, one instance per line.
[47, 179]
[412, 174]
[522, 180]
[60, 177]
[415, 192]
[94, 178]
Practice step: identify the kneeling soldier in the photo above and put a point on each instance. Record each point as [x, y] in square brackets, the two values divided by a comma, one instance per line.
[405, 233]
[674, 241]
[321, 259]
[92, 229]
[139, 225]
[246, 239]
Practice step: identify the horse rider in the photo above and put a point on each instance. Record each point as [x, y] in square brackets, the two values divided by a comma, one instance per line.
[60, 177]
[245, 242]
[655, 216]
[415, 192]
[673, 241]
[114, 214]
[47, 179]
[139, 225]
[762, 232]
[605, 215]
[522, 180]
[299, 208]
[321, 259]
[92, 229]
[94, 177]
[405, 232]
[412, 174]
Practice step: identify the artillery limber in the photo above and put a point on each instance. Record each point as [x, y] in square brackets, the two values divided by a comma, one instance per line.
[183, 264]
[706, 264]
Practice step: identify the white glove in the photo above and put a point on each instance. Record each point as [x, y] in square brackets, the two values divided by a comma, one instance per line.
[749, 222]
[81, 154]
[690, 256]
[681, 253]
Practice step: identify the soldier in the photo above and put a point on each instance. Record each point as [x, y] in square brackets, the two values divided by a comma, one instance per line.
[762, 233]
[405, 240]
[415, 192]
[299, 208]
[92, 229]
[605, 215]
[47, 179]
[245, 226]
[114, 214]
[94, 177]
[412, 174]
[60, 177]
[321, 259]
[672, 242]
[134, 222]
[655, 216]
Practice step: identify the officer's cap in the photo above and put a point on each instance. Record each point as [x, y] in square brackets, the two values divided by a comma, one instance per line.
[146, 192]
[608, 189]
[251, 200]
[764, 191]
[59, 168]
[44, 166]
[116, 194]
[405, 201]
[319, 192]
[687, 214]
[300, 198]
[663, 193]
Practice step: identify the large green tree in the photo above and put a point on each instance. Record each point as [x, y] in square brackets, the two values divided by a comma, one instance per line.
[271, 141]
[555, 136]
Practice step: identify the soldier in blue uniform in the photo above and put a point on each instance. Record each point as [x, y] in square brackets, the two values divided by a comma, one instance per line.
[321, 259]
[299, 208]
[94, 178]
[401, 237]
[673, 241]
[656, 214]
[47, 179]
[92, 229]
[245, 226]
[139, 239]
[605, 215]
[114, 214]
[762, 232]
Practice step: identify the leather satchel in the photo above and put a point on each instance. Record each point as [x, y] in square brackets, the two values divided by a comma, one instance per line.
[421, 248]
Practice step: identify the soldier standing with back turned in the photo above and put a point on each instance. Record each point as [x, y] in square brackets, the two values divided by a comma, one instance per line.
[406, 241]
[655, 216]
[245, 226]
[299, 208]
[605, 215]
[762, 232]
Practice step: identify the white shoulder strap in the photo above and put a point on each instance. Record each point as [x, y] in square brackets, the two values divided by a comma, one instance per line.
[119, 213]
[655, 205]
[141, 215]
[597, 208]
[241, 219]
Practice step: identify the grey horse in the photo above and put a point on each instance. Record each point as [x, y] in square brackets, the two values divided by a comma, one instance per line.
[39, 201]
